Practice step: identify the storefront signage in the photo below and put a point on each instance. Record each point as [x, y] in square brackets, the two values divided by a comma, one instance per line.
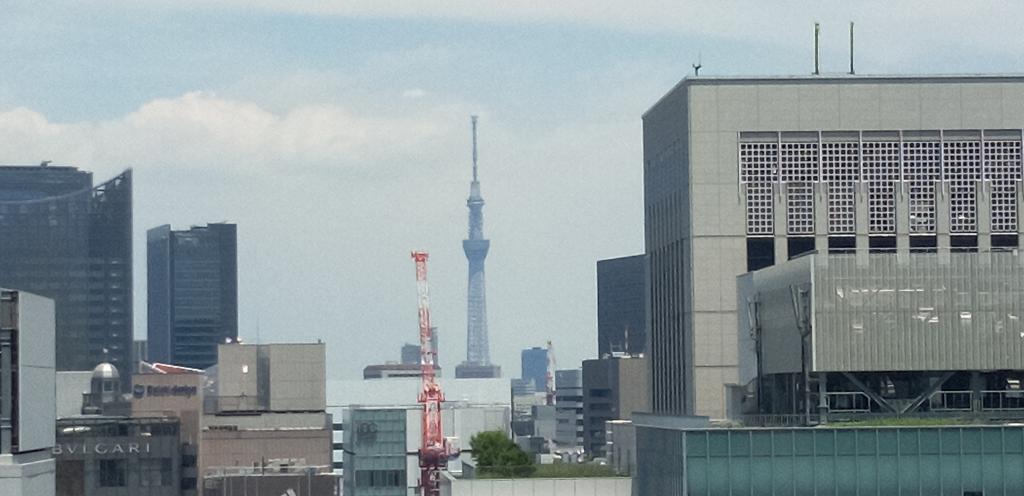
[140, 391]
[100, 448]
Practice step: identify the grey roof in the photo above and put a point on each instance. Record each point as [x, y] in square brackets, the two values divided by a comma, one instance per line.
[839, 78]
[105, 371]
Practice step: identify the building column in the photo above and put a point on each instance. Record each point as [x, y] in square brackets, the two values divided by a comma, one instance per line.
[860, 219]
[983, 200]
[781, 229]
[942, 223]
[821, 217]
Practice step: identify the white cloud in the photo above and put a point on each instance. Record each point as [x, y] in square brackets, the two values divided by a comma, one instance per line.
[200, 129]
[414, 93]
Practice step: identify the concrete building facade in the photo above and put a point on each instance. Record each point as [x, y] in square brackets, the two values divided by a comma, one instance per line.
[613, 388]
[569, 408]
[743, 173]
[265, 410]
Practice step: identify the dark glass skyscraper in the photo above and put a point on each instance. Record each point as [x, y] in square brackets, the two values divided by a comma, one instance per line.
[193, 293]
[535, 366]
[64, 239]
[621, 305]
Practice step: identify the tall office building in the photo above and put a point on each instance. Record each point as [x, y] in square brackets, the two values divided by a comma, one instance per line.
[478, 356]
[66, 240]
[622, 306]
[744, 173]
[193, 293]
[534, 363]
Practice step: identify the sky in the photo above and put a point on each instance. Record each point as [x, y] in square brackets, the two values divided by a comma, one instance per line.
[336, 135]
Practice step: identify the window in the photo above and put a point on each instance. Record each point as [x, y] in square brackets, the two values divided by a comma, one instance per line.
[799, 245]
[112, 473]
[155, 472]
[1004, 241]
[881, 244]
[842, 244]
[760, 253]
[923, 244]
[963, 243]
[380, 478]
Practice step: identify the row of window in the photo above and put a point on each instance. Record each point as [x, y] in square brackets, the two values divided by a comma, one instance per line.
[380, 478]
[881, 165]
[153, 472]
[761, 251]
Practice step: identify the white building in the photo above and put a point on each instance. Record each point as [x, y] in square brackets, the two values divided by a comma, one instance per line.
[27, 467]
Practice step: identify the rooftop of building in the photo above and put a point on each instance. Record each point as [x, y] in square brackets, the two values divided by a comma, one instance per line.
[837, 78]
[44, 164]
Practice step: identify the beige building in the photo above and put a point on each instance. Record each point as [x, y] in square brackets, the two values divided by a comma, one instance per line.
[743, 173]
[265, 410]
[261, 409]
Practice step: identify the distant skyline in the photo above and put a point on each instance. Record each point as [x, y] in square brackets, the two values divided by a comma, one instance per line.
[336, 135]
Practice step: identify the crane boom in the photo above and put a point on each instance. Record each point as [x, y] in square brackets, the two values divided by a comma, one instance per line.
[434, 448]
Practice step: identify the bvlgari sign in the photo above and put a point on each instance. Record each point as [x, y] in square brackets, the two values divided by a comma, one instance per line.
[140, 391]
[100, 448]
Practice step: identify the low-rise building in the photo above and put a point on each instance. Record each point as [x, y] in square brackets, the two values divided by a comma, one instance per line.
[613, 388]
[380, 443]
[264, 410]
[396, 371]
[681, 455]
[569, 408]
[114, 456]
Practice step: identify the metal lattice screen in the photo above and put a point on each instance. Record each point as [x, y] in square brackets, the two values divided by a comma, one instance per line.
[924, 163]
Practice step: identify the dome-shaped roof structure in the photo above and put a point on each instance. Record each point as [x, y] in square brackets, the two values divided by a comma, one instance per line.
[105, 371]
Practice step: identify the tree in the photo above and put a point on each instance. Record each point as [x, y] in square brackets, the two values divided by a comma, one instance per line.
[497, 456]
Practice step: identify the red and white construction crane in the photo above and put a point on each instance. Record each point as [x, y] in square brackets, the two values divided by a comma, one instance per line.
[435, 451]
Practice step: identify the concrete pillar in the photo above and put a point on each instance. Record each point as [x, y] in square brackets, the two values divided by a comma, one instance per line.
[861, 221]
[983, 192]
[779, 193]
[942, 220]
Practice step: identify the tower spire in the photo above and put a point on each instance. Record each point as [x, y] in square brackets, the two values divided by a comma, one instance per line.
[473, 118]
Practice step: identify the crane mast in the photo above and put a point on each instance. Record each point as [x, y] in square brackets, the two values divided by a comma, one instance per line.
[434, 449]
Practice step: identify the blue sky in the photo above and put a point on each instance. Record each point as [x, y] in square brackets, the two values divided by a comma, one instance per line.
[337, 136]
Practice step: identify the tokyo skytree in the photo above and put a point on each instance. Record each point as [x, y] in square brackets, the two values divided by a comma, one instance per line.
[478, 357]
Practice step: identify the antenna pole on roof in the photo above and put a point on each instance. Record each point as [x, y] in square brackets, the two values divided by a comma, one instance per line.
[851, 48]
[817, 34]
